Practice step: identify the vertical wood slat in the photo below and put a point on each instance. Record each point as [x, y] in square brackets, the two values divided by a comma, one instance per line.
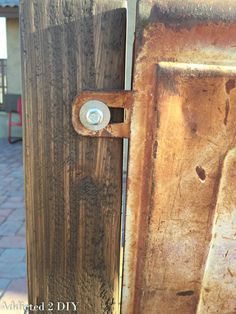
[73, 183]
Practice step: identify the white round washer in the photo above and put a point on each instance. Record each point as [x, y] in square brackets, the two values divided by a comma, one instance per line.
[94, 115]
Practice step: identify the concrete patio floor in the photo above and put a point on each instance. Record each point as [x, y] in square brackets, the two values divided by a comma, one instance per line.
[13, 292]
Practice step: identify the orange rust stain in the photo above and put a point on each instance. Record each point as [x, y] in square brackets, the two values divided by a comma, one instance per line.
[116, 99]
[173, 210]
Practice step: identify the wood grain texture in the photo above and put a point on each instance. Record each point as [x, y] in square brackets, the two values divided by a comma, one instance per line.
[73, 183]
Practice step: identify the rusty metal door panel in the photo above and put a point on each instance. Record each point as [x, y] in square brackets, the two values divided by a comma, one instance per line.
[218, 286]
[180, 253]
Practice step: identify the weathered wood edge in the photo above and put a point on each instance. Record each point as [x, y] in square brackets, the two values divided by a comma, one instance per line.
[36, 219]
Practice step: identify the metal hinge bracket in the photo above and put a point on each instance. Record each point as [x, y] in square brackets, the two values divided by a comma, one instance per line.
[91, 113]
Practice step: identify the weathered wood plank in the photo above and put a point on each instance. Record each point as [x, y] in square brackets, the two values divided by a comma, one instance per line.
[182, 127]
[73, 183]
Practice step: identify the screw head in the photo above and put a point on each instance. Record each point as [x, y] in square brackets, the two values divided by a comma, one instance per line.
[94, 115]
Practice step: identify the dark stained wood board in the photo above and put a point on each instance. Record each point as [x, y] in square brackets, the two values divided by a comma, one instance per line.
[73, 183]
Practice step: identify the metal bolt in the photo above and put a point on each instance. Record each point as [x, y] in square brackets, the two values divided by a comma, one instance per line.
[94, 116]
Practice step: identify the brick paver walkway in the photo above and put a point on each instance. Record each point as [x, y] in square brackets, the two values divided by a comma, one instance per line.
[12, 229]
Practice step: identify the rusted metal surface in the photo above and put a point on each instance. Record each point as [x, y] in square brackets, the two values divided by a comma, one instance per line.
[180, 225]
[218, 286]
[119, 99]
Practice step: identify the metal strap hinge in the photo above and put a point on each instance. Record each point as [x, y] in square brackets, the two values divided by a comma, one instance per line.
[92, 113]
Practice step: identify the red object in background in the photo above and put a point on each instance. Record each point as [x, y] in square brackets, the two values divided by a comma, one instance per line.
[13, 123]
